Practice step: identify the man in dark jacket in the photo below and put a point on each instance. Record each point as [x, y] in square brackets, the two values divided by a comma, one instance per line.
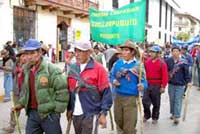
[178, 78]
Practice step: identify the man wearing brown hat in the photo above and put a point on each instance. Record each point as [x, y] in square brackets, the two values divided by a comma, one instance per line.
[125, 78]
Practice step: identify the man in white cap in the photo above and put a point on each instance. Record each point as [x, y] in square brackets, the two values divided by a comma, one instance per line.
[90, 92]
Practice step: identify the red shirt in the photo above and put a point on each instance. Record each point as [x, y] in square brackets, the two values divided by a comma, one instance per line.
[20, 77]
[32, 98]
[193, 52]
[156, 72]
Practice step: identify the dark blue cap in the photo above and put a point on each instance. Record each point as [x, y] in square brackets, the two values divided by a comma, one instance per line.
[32, 44]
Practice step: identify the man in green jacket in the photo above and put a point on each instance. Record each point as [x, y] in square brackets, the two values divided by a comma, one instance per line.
[44, 92]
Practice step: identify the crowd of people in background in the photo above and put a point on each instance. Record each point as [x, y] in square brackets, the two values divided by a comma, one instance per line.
[94, 77]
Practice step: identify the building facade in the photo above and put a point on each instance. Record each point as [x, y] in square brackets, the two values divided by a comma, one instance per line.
[56, 22]
[186, 23]
[159, 17]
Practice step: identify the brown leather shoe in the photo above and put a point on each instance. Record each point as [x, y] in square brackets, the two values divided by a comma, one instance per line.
[171, 117]
[176, 121]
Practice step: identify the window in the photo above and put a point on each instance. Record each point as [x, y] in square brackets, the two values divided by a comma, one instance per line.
[160, 14]
[23, 24]
[115, 3]
[165, 37]
[147, 11]
[131, 1]
[166, 8]
[179, 29]
[159, 35]
[171, 10]
[146, 33]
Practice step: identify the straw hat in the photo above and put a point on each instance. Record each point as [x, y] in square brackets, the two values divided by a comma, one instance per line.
[20, 52]
[131, 45]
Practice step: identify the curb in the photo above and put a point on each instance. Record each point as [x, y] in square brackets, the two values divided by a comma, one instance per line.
[1, 98]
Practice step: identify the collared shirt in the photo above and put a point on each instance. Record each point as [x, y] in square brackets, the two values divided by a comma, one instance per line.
[128, 62]
[32, 99]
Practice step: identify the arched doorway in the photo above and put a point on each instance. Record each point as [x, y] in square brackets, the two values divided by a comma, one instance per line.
[62, 37]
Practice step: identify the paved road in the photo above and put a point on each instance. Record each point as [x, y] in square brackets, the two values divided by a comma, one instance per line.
[164, 126]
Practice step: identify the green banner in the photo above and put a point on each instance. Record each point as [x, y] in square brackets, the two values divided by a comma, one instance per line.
[115, 27]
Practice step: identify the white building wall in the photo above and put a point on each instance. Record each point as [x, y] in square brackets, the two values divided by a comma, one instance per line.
[83, 26]
[46, 27]
[105, 5]
[6, 23]
[123, 2]
[153, 20]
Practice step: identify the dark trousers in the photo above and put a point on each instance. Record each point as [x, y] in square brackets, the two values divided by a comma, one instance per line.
[198, 70]
[84, 125]
[48, 125]
[152, 96]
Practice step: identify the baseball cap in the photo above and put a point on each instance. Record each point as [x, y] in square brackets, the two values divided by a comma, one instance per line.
[155, 48]
[84, 46]
[32, 44]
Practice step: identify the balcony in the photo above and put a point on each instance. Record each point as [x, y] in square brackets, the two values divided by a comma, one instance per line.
[181, 24]
[77, 7]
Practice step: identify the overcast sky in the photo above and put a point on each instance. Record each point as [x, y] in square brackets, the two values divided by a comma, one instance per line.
[190, 6]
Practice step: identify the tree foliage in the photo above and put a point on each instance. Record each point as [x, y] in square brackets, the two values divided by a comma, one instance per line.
[183, 36]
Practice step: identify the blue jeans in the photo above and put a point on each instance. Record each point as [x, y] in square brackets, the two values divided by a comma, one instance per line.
[175, 98]
[48, 125]
[8, 84]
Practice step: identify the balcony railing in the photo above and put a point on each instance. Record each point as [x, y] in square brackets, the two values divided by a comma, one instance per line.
[82, 5]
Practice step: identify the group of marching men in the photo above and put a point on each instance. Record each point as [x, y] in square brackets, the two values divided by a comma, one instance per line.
[87, 91]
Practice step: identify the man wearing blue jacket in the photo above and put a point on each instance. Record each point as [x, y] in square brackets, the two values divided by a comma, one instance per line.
[178, 78]
[125, 78]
